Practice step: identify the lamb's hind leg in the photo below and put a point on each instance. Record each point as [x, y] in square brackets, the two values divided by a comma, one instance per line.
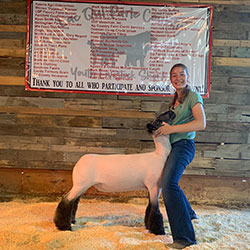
[155, 219]
[75, 206]
[63, 214]
[66, 209]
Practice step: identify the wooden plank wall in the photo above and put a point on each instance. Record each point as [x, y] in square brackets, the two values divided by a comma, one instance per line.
[46, 131]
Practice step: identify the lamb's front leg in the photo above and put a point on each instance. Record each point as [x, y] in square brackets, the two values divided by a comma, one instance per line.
[155, 219]
[146, 218]
[155, 222]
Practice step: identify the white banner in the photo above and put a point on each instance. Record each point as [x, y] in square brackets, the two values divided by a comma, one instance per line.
[116, 48]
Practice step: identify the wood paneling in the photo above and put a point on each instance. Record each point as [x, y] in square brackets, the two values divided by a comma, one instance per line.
[76, 112]
[12, 28]
[12, 52]
[226, 191]
[12, 80]
[229, 61]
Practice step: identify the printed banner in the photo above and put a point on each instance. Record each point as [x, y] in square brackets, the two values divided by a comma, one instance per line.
[116, 48]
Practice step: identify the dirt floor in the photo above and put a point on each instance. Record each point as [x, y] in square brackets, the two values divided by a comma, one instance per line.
[105, 224]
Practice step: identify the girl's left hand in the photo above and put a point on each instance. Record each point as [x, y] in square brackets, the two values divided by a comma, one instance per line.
[165, 129]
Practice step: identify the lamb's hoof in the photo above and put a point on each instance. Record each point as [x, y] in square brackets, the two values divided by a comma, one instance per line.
[64, 227]
[160, 231]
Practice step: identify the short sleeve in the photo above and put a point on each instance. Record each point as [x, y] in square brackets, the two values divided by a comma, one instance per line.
[196, 98]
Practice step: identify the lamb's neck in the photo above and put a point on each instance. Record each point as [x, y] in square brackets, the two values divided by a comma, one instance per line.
[162, 145]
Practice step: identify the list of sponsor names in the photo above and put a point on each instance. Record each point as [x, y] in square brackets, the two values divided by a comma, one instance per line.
[127, 48]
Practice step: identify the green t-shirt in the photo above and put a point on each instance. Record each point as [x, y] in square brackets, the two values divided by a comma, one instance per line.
[184, 114]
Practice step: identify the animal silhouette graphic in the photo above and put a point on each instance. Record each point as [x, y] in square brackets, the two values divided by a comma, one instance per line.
[111, 47]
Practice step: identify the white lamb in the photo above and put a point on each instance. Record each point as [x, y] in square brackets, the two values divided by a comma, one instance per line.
[118, 173]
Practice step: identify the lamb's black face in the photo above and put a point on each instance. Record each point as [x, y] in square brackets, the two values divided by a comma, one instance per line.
[164, 117]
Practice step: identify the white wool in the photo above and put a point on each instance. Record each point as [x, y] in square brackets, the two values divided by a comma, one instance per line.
[118, 173]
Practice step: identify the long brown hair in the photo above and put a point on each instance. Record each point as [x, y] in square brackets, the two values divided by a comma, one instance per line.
[184, 92]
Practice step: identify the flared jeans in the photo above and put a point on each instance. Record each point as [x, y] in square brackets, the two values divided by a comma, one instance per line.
[177, 206]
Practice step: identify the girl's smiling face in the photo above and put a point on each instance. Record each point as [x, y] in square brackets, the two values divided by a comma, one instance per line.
[179, 77]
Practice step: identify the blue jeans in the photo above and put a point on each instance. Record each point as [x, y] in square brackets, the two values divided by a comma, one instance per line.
[177, 206]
